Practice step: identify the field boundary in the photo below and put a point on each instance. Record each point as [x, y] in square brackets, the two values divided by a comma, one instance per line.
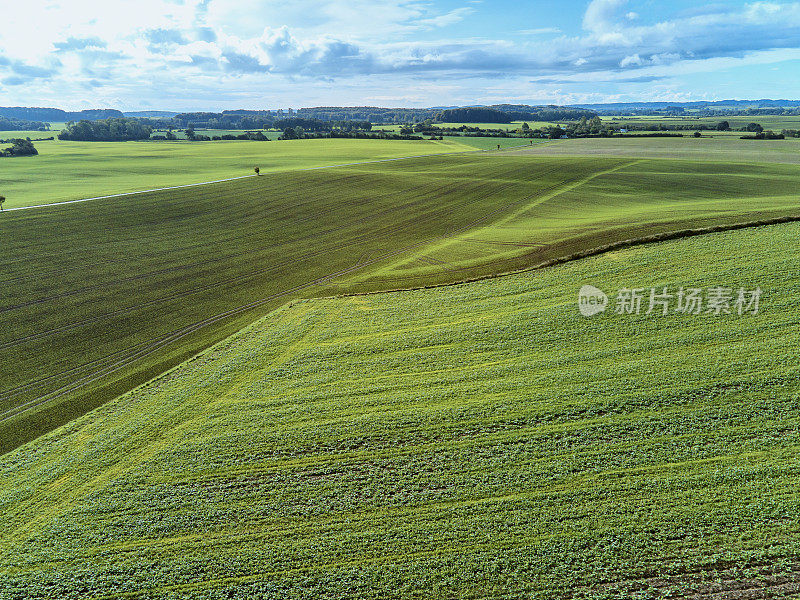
[596, 251]
[304, 169]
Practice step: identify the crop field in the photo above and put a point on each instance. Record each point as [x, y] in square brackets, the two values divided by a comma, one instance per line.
[100, 296]
[475, 441]
[10, 135]
[72, 170]
[715, 147]
[491, 143]
[774, 122]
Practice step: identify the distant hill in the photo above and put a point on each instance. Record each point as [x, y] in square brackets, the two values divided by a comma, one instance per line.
[7, 124]
[719, 105]
[379, 115]
[496, 113]
[56, 115]
[159, 114]
[700, 104]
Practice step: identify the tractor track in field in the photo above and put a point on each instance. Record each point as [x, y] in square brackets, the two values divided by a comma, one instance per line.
[714, 582]
[443, 189]
[59, 255]
[248, 275]
[139, 240]
[550, 191]
[151, 347]
[13, 392]
[500, 243]
[186, 266]
[176, 335]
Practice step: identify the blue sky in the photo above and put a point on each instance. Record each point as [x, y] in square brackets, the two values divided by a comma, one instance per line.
[223, 54]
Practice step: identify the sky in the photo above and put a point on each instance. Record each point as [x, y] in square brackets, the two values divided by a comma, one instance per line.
[227, 54]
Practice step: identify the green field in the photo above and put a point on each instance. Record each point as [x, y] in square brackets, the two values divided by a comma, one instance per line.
[476, 441]
[774, 122]
[99, 296]
[491, 143]
[715, 147]
[11, 135]
[72, 170]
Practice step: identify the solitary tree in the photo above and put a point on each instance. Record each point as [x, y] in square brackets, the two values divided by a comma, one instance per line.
[257, 170]
[2, 199]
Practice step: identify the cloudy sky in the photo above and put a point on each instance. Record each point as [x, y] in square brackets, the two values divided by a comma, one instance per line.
[223, 54]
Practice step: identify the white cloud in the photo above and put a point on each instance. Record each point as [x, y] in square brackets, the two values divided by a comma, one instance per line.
[634, 60]
[450, 18]
[601, 15]
[120, 48]
[540, 31]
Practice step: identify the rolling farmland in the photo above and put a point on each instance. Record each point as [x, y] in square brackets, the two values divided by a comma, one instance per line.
[100, 296]
[70, 170]
[774, 122]
[474, 441]
[275, 325]
[714, 146]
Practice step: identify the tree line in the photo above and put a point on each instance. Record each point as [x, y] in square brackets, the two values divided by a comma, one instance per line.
[583, 127]
[340, 117]
[11, 124]
[510, 113]
[223, 120]
[721, 126]
[107, 130]
[310, 124]
[56, 115]
[291, 133]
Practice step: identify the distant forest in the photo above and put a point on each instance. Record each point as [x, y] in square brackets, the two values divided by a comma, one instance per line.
[107, 130]
[497, 113]
[507, 113]
[252, 119]
[7, 124]
[112, 125]
[56, 115]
